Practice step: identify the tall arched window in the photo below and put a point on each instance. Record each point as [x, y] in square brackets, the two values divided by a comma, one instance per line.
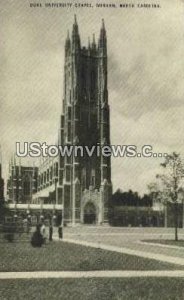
[27, 184]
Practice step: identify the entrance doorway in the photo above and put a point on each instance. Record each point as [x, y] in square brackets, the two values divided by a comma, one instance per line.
[89, 213]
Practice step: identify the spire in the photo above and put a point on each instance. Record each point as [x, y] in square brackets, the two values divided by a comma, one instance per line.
[102, 39]
[75, 19]
[19, 167]
[103, 31]
[89, 44]
[75, 35]
[10, 167]
[93, 43]
[75, 27]
[67, 42]
[103, 24]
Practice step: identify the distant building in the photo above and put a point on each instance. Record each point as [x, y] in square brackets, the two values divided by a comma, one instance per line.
[48, 191]
[22, 183]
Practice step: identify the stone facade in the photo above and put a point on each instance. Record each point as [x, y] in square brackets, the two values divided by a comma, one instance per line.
[85, 122]
[81, 184]
[22, 183]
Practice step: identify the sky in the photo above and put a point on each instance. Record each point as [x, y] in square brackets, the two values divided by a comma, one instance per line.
[145, 78]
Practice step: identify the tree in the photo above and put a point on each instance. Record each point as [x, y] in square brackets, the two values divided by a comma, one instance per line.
[171, 184]
[122, 199]
[156, 194]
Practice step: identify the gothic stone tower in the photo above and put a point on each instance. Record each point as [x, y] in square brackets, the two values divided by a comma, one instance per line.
[85, 181]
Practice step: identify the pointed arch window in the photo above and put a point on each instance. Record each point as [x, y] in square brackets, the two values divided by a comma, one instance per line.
[93, 178]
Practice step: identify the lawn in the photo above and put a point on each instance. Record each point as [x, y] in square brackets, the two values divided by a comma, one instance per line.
[90, 289]
[63, 256]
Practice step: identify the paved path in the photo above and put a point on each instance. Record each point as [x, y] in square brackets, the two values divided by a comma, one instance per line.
[129, 238]
[150, 255]
[160, 245]
[90, 274]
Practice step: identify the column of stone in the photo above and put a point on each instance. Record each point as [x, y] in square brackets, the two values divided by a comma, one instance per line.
[67, 195]
[75, 183]
[104, 123]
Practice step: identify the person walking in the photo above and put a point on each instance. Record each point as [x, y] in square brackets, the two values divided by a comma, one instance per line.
[50, 231]
[60, 232]
[43, 232]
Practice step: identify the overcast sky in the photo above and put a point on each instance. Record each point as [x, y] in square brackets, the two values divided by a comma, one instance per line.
[145, 78]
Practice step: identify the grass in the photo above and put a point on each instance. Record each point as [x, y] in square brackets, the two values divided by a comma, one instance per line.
[90, 289]
[179, 243]
[62, 256]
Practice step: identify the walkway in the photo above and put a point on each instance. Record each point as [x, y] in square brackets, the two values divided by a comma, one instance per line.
[90, 274]
[150, 255]
[131, 239]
